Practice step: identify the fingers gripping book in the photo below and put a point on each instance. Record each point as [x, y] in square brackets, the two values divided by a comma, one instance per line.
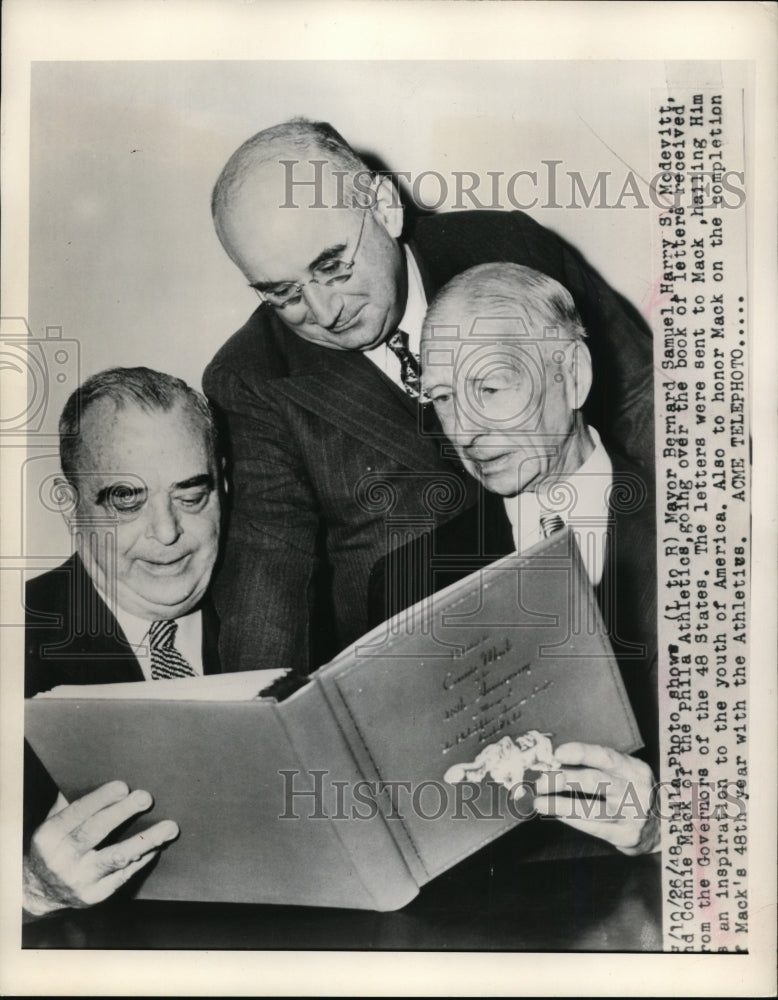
[370, 780]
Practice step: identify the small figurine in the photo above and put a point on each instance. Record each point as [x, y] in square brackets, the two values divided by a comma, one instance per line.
[507, 761]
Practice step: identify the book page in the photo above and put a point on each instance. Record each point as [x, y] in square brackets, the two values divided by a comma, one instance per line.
[241, 686]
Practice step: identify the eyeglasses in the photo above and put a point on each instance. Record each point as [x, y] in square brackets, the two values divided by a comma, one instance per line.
[329, 272]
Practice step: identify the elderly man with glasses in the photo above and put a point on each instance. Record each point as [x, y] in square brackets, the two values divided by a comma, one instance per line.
[334, 457]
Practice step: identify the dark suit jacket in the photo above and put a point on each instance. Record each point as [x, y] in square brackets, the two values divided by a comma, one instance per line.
[626, 594]
[72, 638]
[328, 461]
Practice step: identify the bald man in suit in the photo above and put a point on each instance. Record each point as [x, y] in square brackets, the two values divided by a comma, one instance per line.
[319, 390]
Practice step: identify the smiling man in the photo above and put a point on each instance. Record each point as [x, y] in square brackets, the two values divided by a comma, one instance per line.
[142, 502]
[331, 449]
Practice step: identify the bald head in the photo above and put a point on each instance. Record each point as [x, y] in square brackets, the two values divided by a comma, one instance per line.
[315, 233]
[263, 163]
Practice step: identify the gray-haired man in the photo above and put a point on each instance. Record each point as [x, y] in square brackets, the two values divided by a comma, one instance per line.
[506, 365]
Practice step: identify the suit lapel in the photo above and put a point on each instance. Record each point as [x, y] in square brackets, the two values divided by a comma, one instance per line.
[94, 647]
[627, 591]
[211, 664]
[497, 531]
[482, 533]
[348, 391]
[108, 642]
[430, 288]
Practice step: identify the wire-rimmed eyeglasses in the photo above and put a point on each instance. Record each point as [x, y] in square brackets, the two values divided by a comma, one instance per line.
[329, 272]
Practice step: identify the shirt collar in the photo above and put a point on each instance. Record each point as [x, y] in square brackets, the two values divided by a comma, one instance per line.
[592, 483]
[136, 629]
[411, 322]
[415, 306]
[586, 509]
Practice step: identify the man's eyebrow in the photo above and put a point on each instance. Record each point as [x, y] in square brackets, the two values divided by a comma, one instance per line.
[205, 479]
[439, 383]
[330, 253]
[267, 286]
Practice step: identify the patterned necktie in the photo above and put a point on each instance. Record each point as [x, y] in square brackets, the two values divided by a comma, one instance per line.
[166, 661]
[410, 373]
[550, 524]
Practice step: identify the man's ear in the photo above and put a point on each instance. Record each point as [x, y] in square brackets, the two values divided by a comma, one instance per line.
[66, 496]
[578, 374]
[387, 206]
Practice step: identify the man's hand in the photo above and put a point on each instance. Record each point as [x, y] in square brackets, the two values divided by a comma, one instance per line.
[64, 868]
[619, 790]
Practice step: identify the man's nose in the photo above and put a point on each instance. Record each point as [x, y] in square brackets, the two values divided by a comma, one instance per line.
[324, 304]
[468, 423]
[163, 523]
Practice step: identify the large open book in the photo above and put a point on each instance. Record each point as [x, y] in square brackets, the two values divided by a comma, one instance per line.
[336, 795]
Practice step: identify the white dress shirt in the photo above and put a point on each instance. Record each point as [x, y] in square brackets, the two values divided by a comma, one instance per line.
[412, 322]
[581, 499]
[188, 640]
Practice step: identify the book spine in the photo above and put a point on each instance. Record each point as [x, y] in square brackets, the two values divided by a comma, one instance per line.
[332, 787]
[327, 680]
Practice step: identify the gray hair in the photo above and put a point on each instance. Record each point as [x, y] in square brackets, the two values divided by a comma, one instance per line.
[511, 291]
[143, 387]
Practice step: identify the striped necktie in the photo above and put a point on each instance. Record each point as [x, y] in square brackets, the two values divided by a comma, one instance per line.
[166, 661]
[410, 372]
[550, 524]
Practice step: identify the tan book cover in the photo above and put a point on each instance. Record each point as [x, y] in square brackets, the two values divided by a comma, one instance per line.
[336, 796]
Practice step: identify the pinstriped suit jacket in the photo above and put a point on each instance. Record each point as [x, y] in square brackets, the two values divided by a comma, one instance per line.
[313, 432]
